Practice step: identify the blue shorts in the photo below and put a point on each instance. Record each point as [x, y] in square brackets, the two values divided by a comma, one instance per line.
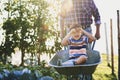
[71, 60]
[77, 55]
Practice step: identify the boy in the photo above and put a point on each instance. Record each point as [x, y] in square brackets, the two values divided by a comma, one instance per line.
[77, 39]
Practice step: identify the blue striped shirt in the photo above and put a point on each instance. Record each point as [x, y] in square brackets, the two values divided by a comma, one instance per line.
[77, 45]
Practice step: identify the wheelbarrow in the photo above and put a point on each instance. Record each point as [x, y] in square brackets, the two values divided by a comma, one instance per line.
[76, 72]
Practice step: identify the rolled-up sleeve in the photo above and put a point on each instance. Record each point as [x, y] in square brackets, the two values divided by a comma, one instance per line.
[96, 13]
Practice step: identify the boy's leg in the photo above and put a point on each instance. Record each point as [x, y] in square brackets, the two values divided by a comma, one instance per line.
[80, 60]
[68, 63]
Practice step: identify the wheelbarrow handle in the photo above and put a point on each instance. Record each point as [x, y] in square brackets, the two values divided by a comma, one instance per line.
[93, 44]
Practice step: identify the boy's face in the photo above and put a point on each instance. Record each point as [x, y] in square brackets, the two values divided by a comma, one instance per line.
[76, 33]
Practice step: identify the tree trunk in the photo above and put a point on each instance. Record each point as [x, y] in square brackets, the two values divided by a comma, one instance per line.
[38, 56]
[4, 59]
[22, 56]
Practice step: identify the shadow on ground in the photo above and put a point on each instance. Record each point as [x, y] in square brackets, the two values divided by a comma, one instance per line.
[111, 76]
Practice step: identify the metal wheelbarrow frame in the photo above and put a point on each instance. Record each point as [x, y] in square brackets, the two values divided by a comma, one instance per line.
[85, 69]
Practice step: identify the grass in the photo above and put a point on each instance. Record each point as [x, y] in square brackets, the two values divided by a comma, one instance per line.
[104, 72]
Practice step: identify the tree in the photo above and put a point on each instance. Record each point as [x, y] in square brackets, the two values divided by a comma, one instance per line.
[17, 29]
[28, 27]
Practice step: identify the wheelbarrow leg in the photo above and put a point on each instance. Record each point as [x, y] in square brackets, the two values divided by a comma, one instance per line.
[85, 77]
[81, 77]
[89, 77]
[72, 77]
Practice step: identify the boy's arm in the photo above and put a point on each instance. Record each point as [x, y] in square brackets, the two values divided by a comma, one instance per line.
[90, 36]
[65, 40]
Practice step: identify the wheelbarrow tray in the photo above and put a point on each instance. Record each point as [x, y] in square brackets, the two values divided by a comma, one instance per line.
[88, 68]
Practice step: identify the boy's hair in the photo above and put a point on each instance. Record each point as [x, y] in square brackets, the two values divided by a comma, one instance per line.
[74, 26]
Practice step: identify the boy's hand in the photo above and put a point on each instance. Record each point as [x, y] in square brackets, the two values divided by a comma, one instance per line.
[72, 31]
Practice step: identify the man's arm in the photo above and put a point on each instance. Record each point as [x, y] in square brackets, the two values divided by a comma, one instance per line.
[97, 20]
[97, 34]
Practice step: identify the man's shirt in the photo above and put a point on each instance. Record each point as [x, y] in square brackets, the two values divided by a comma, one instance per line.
[82, 13]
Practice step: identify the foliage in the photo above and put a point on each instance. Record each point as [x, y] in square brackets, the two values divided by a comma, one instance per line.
[10, 72]
[37, 72]
[11, 39]
[28, 27]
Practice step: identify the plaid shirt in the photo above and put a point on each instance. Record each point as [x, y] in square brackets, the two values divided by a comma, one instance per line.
[82, 13]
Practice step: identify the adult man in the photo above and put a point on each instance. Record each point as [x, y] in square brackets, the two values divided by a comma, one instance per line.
[79, 12]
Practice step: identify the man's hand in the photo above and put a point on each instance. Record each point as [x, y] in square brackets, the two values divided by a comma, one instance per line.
[97, 34]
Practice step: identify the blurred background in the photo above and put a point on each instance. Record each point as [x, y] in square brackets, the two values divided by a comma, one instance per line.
[107, 8]
[29, 36]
